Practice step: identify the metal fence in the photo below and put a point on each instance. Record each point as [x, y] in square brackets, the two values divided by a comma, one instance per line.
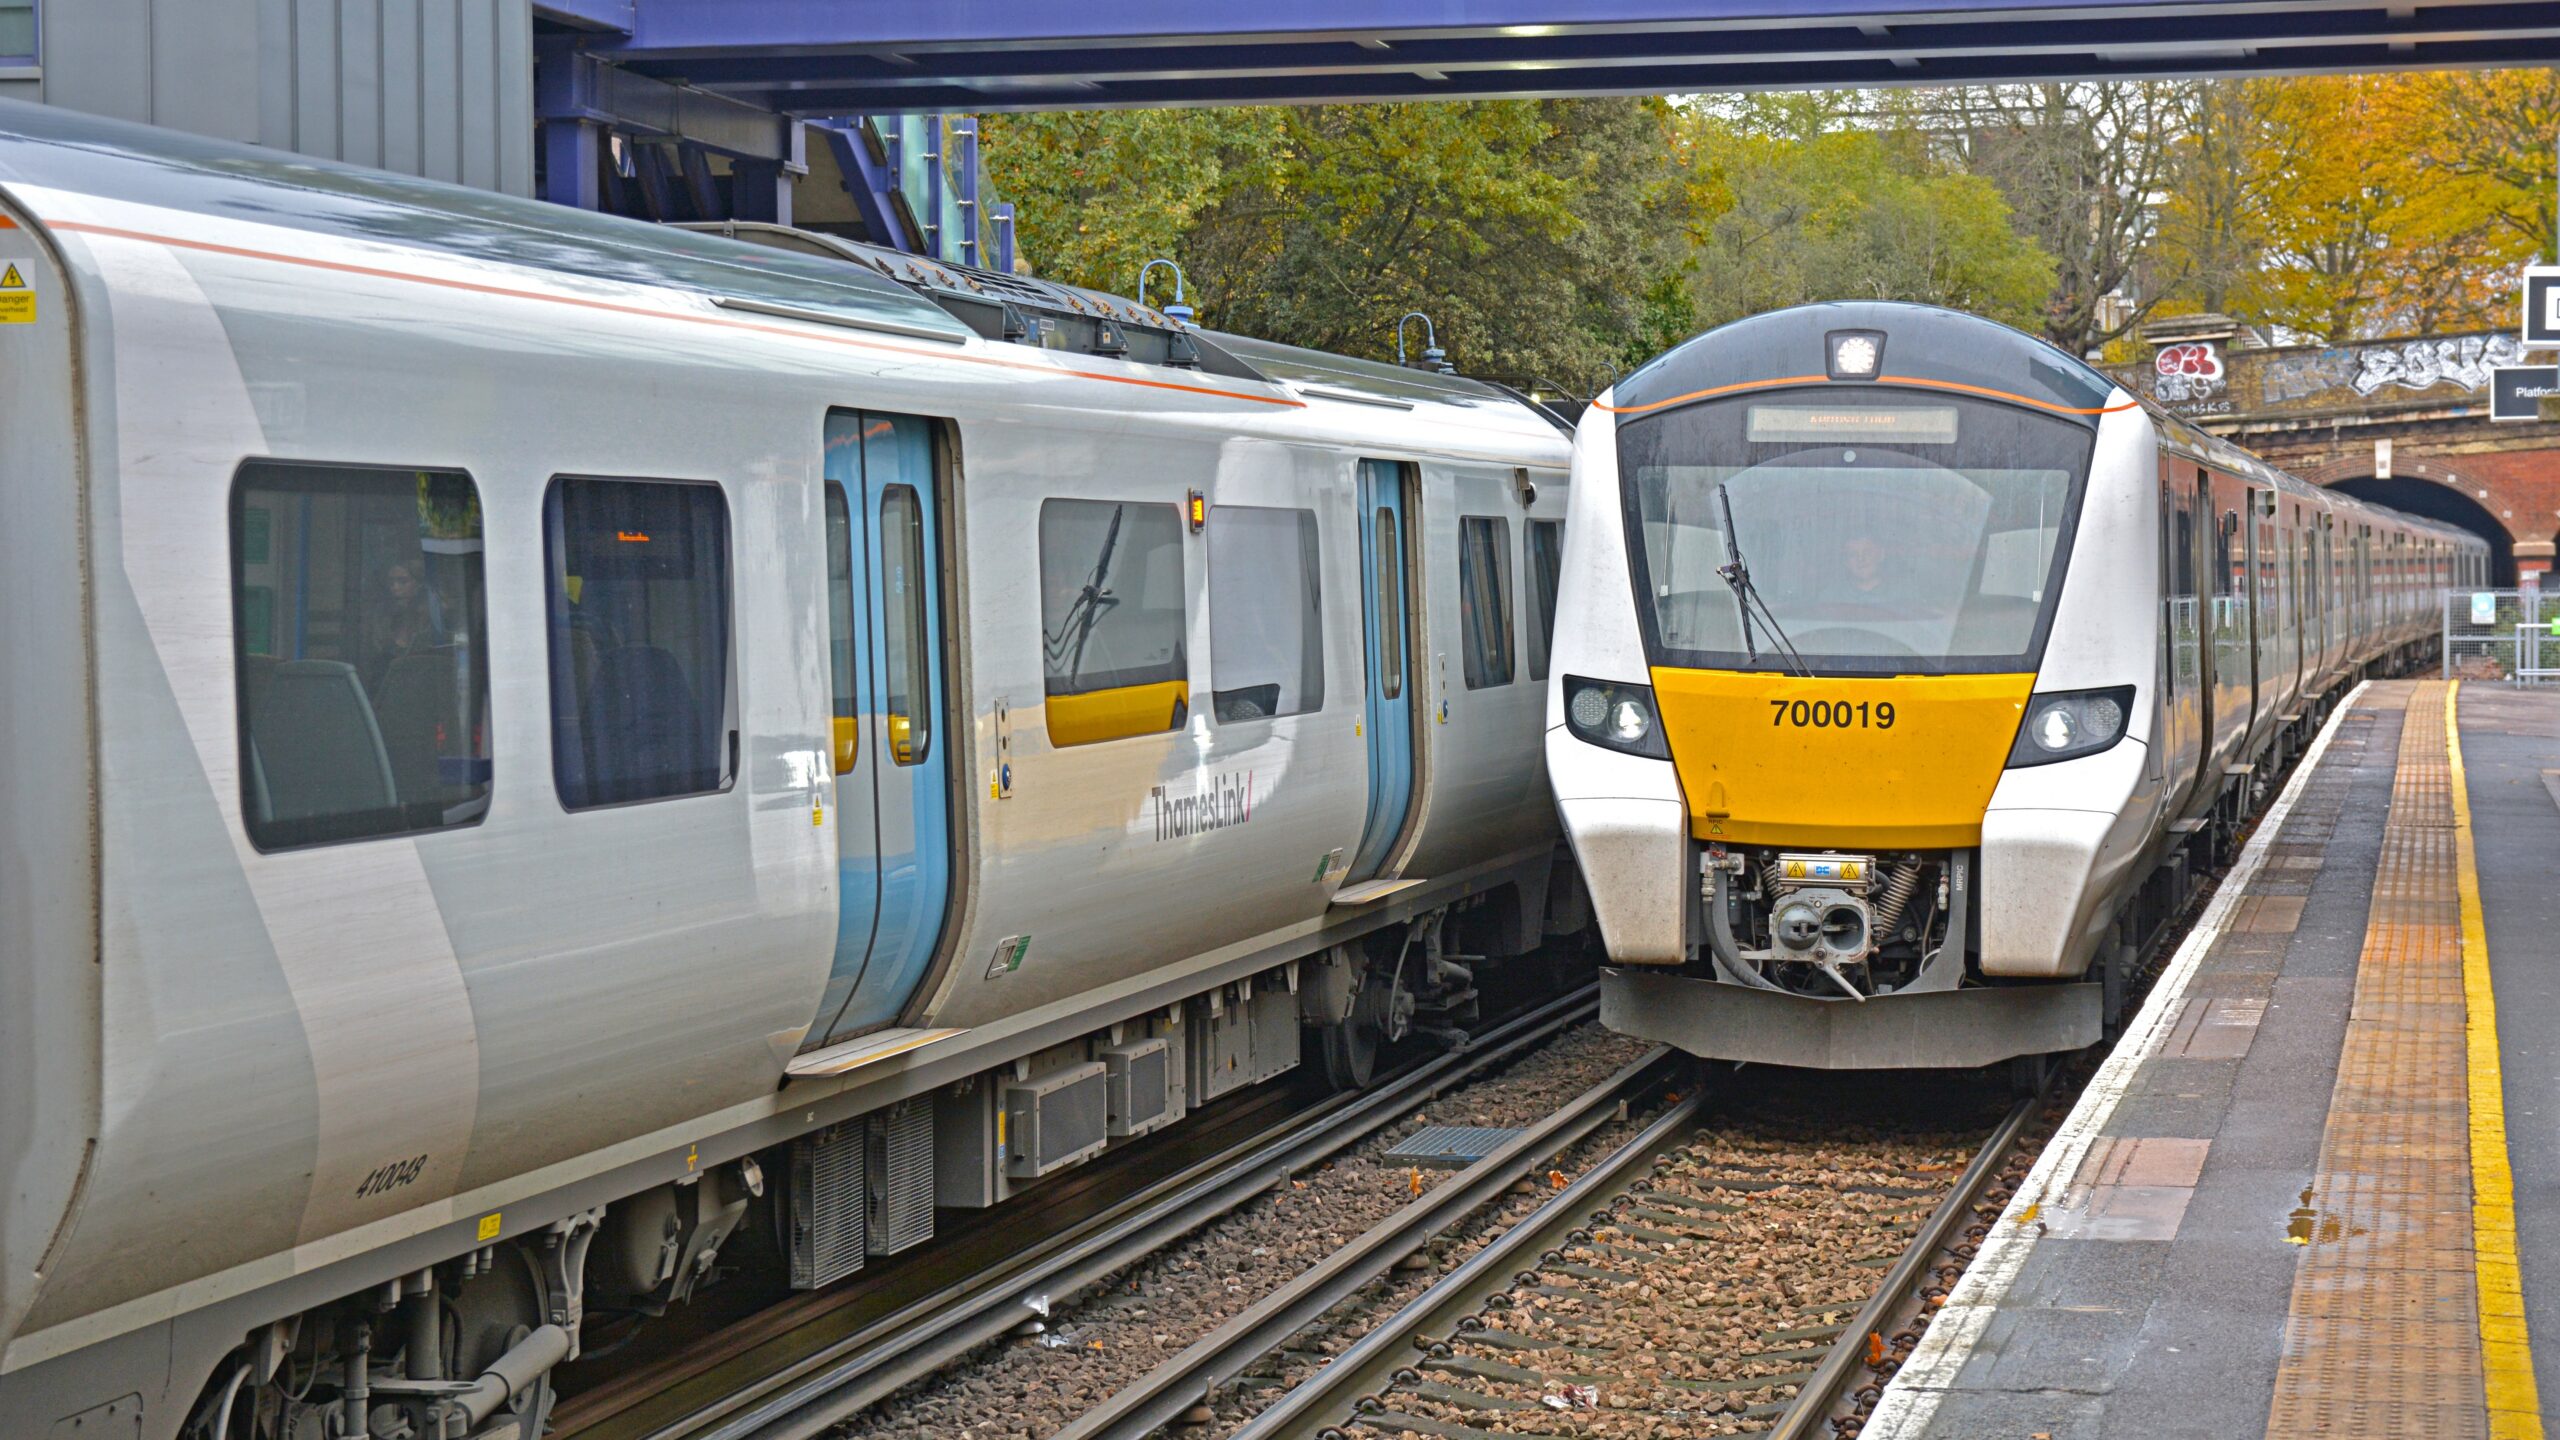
[2510, 635]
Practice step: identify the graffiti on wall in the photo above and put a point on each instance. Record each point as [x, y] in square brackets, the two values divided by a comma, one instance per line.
[2423, 364]
[2274, 379]
[2191, 377]
[2301, 373]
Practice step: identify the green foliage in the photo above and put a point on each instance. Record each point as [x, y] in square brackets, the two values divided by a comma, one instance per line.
[1785, 211]
[1098, 193]
[1532, 233]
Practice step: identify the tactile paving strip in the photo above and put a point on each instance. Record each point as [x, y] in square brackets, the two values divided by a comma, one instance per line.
[2383, 1337]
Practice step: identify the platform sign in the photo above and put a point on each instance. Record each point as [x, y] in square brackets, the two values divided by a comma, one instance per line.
[2542, 305]
[2516, 392]
[2484, 607]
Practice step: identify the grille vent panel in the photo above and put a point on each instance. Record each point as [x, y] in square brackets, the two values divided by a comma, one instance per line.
[827, 1205]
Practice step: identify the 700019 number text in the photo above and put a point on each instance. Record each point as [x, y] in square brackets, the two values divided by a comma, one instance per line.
[1832, 714]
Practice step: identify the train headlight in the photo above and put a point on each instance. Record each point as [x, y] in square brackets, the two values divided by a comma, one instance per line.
[1616, 717]
[2067, 724]
[2055, 728]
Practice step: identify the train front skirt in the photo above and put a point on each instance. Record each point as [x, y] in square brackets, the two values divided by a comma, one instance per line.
[1977, 1025]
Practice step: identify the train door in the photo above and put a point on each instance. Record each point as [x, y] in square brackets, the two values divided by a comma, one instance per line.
[2231, 683]
[2248, 598]
[2282, 605]
[893, 814]
[2315, 605]
[1386, 603]
[2289, 583]
[2196, 537]
[2183, 691]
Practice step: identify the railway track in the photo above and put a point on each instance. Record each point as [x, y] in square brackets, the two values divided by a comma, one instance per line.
[1604, 1311]
[808, 1364]
[1601, 1313]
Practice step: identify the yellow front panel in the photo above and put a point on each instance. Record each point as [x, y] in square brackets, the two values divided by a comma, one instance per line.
[1776, 760]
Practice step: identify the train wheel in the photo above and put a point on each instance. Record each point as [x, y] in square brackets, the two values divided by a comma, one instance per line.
[1349, 1052]
[1350, 1049]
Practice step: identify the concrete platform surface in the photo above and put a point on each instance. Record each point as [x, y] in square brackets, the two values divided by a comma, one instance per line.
[2285, 1205]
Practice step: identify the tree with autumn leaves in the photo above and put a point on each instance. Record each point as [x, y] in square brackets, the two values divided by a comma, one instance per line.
[1563, 240]
[2345, 206]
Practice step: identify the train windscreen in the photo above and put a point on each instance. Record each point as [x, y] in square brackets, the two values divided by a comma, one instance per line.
[1881, 531]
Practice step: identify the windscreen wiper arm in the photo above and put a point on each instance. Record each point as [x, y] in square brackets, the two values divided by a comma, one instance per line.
[1746, 595]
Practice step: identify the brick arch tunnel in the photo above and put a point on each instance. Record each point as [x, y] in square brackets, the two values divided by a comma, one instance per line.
[2433, 500]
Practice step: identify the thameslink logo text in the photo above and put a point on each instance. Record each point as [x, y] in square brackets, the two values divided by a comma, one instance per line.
[1227, 801]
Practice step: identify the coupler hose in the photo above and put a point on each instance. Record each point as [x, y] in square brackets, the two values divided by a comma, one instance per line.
[1728, 955]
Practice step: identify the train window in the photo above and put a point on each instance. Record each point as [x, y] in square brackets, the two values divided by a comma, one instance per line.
[1112, 620]
[907, 658]
[1390, 588]
[1484, 599]
[1266, 613]
[360, 638]
[639, 586]
[847, 722]
[1546, 575]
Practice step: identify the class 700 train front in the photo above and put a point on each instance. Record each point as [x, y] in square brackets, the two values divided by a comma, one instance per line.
[1903, 660]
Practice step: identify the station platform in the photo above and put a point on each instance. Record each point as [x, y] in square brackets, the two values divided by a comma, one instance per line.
[2316, 1188]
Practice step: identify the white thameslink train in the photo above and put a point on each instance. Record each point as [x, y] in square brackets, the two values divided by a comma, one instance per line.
[539, 746]
[1904, 666]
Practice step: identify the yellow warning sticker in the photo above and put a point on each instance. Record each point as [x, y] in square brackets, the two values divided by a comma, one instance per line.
[489, 1227]
[17, 301]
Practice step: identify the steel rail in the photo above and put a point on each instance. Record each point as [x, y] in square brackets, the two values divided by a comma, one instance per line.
[805, 1398]
[1160, 1397]
[1809, 1414]
[1317, 1401]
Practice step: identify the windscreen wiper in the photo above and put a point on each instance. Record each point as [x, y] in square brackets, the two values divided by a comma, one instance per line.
[1746, 595]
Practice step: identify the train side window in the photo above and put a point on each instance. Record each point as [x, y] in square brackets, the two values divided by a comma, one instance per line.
[846, 725]
[360, 640]
[908, 661]
[1112, 620]
[1484, 599]
[642, 701]
[1266, 613]
[1389, 583]
[1546, 574]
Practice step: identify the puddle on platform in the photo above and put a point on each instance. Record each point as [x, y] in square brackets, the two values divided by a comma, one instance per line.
[2309, 1225]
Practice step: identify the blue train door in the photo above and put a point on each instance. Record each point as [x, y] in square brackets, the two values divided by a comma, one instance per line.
[893, 816]
[1388, 720]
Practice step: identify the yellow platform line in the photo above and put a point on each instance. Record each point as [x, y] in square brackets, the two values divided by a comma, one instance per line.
[2506, 1344]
